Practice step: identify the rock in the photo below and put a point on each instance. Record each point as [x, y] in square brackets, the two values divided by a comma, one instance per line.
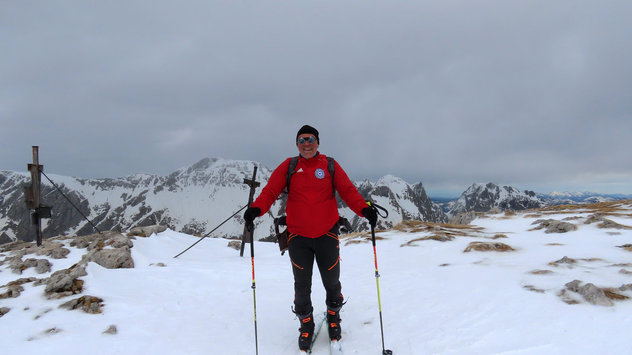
[3, 311]
[111, 330]
[112, 258]
[66, 281]
[235, 244]
[147, 231]
[463, 217]
[13, 291]
[84, 241]
[119, 241]
[88, 304]
[41, 265]
[564, 260]
[554, 226]
[53, 250]
[590, 292]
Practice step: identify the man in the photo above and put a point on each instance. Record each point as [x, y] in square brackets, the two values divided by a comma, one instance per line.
[312, 223]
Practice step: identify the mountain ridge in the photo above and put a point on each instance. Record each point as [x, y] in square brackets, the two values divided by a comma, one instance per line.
[192, 199]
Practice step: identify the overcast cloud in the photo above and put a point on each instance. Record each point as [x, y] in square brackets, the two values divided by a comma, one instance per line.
[533, 94]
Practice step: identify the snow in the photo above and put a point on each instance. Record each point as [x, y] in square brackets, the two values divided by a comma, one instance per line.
[436, 299]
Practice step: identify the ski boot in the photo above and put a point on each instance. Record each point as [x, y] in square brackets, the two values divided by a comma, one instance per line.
[306, 331]
[333, 320]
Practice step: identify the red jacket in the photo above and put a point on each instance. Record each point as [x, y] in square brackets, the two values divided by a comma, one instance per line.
[311, 207]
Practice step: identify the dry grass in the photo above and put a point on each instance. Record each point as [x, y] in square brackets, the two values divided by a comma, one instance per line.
[484, 246]
[627, 247]
[414, 226]
[533, 288]
[437, 237]
[541, 272]
[614, 295]
[612, 208]
[358, 238]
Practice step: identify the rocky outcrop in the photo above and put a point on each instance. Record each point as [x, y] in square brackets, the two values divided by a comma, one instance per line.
[88, 304]
[146, 231]
[554, 226]
[118, 258]
[110, 250]
[66, 282]
[590, 293]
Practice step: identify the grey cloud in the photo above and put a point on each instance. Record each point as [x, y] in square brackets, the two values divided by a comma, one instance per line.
[447, 93]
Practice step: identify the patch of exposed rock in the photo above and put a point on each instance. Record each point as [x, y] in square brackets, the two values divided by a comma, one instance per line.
[605, 222]
[464, 217]
[102, 240]
[564, 261]
[111, 330]
[554, 226]
[48, 248]
[41, 265]
[118, 258]
[4, 310]
[14, 288]
[590, 293]
[146, 231]
[88, 304]
[12, 291]
[66, 282]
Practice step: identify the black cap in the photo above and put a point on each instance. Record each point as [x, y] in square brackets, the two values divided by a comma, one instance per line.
[307, 129]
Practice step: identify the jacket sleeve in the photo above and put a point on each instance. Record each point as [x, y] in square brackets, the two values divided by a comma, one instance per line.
[347, 191]
[273, 188]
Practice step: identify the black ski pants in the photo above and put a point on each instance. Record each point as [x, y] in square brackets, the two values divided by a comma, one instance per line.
[326, 250]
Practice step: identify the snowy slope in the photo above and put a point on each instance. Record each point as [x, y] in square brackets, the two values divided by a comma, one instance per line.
[436, 299]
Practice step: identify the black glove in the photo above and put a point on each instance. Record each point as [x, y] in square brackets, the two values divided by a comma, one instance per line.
[251, 213]
[370, 214]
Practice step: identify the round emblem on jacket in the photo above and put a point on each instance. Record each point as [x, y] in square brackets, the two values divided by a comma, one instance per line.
[320, 173]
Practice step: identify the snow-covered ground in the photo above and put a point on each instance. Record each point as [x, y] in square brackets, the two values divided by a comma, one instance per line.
[436, 298]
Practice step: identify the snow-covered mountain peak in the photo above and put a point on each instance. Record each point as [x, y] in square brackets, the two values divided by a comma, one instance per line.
[482, 197]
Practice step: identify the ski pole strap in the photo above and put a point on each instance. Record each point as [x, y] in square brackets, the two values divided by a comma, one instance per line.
[381, 211]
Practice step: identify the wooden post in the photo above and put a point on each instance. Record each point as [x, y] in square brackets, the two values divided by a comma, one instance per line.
[247, 235]
[34, 196]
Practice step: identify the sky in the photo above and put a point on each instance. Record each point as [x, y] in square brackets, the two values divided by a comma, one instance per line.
[532, 94]
[434, 297]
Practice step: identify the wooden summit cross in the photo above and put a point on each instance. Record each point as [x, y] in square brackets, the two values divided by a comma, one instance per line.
[32, 196]
[247, 235]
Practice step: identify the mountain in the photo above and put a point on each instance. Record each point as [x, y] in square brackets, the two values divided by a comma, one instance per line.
[192, 200]
[402, 201]
[576, 198]
[485, 197]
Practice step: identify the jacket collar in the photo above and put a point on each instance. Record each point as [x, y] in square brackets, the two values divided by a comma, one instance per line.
[315, 156]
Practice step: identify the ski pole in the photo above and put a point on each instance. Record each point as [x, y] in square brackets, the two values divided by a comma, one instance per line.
[207, 234]
[251, 229]
[377, 275]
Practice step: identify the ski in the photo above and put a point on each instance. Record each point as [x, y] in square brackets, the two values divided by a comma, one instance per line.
[319, 326]
[335, 348]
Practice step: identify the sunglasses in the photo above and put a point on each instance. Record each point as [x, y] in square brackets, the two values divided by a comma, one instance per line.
[304, 140]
